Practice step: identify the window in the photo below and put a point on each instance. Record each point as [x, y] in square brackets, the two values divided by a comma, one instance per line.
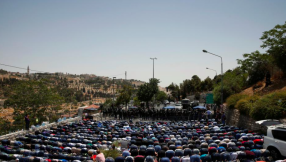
[279, 134]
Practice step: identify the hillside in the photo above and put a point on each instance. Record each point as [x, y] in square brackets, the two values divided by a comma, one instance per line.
[260, 89]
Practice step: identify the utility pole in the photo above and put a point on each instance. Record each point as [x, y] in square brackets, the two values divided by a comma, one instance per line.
[153, 64]
[154, 58]
[113, 90]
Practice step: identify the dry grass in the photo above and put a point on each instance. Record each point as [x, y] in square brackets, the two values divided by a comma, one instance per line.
[7, 113]
[260, 89]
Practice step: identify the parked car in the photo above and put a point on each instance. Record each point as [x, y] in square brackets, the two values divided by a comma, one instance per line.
[172, 103]
[275, 140]
[166, 102]
[179, 106]
[194, 103]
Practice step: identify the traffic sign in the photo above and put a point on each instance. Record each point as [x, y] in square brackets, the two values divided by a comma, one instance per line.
[209, 98]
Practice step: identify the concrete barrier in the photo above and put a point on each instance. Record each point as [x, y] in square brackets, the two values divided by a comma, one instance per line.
[12, 136]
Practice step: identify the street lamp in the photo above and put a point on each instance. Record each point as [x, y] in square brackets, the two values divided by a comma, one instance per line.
[154, 58]
[113, 89]
[153, 64]
[205, 51]
[212, 70]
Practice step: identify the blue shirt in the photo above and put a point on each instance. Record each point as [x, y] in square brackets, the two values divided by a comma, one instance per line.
[195, 158]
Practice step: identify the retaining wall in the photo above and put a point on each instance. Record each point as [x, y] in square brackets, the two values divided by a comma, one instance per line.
[12, 136]
[233, 117]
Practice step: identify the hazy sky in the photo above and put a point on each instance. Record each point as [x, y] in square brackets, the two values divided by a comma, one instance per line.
[109, 37]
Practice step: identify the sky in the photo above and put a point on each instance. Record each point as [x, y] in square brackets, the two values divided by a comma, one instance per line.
[107, 38]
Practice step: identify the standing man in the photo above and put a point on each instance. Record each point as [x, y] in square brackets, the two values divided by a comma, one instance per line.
[223, 118]
[208, 113]
[27, 121]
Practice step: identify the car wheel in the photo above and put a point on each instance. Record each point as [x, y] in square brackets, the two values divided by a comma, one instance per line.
[275, 153]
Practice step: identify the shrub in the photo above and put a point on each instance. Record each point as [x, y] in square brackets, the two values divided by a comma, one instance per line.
[111, 153]
[271, 106]
[246, 104]
[233, 99]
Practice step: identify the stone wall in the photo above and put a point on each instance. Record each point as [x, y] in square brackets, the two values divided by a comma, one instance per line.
[233, 117]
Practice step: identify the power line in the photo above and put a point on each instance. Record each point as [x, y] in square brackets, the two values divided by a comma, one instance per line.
[22, 68]
[43, 71]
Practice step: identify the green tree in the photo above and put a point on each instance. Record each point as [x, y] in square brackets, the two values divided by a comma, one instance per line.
[195, 84]
[79, 96]
[107, 103]
[207, 84]
[124, 95]
[186, 88]
[197, 96]
[175, 91]
[234, 81]
[275, 42]
[153, 82]
[34, 98]
[256, 65]
[3, 71]
[136, 101]
[148, 90]
[67, 93]
[161, 96]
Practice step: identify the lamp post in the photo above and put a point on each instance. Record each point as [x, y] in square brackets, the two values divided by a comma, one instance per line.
[154, 58]
[221, 73]
[113, 89]
[212, 70]
[153, 64]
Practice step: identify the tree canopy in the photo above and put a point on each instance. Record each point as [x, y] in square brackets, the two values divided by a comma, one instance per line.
[148, 90]
[275, 42]
[34, 98]
[161, 96]
[124, 95]
[256, 65]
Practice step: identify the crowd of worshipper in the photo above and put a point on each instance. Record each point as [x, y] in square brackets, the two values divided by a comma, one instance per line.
[163, 114]
[173, 141]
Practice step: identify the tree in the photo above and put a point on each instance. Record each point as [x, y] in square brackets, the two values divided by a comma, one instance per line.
[186, 88]
[124, 95]
[107, 103]
[207, 85]
[175, 91]
[144, 93]
[234, 81]
[161, 96]
[153, 82]
[34, 98]
[148, 90]
[3, 71]
[136, 101]
[195, 84]
[67, 93]
[275, 41]
[256, 65]
[197, 96]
